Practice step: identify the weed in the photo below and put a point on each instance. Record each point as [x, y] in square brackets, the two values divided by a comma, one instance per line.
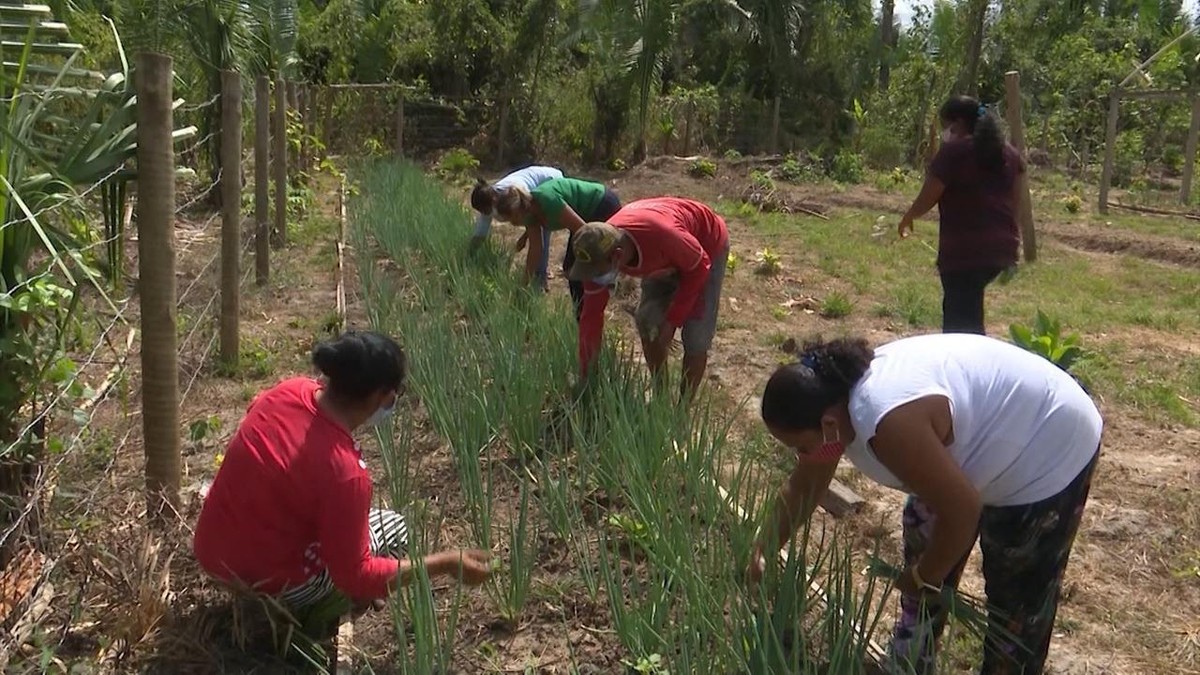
[732, 155]
[768, 263]
[731, 263]
[780, 313]
[1072, 203]
[1045, 338]
[617, 164]
[702, 168]
[847, 167]
[792, 171]
[836, 306]
[761, 180]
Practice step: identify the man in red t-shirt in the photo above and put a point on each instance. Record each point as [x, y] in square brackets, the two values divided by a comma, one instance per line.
[679, 248]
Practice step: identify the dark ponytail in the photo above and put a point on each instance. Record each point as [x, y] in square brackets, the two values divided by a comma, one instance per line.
[483, 197]
[798, 394]
[358, 364]
[984, 128]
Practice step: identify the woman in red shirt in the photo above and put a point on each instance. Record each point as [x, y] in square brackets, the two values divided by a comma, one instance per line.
[974, 181]
[289, 513]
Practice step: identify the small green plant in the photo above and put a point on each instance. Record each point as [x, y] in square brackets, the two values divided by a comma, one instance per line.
[847, 167]
[1072, 203]
[648, 665]
[632, 529]
[1045, 338]
[617, 164]
[457, 164]
[761, 180]
[732, 262]
[780, 313]
[768, 263]
[373, 147]
[702, 168]
[731, 155]
[201, 429]
[792, 171]
[836, 305]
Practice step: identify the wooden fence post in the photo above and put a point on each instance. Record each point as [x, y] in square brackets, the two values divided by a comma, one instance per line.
[1189, 153]
[280, 161]
[400, 125]
[156, 283]
[262, 179]
[231, 213]
[1016, 132]
[1110, 148]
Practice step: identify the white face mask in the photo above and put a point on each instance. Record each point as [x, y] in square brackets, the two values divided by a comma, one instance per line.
[380, 415]
[606, 279]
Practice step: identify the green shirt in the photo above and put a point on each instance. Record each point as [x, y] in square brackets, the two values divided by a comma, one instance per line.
[583, 196]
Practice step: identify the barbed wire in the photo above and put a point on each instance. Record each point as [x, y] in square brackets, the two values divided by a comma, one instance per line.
[78, 196]
[213, 185]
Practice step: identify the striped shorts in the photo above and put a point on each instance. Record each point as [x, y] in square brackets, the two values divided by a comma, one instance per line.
[389, 537]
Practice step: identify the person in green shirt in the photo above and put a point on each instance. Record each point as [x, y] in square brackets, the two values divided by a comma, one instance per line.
[562, 203]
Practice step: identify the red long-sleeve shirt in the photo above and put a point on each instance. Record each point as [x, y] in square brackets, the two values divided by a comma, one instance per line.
[291, 499]
[671, 235]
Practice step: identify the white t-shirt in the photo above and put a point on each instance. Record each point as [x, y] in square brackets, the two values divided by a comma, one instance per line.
[528, 178]
[1023, 429]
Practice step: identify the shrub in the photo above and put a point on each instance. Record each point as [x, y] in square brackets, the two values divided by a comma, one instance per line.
[731, 155]
[617, 164]
[793, 171]
[847, 167]
[702, 168]
[762, 180]
[457, 163]
[1072, 203]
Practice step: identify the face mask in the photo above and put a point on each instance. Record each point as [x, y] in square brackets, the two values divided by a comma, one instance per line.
[606, 279]
[380, 415]
[947, 136]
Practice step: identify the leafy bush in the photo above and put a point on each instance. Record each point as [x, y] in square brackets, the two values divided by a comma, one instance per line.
[762, 180]
[1127, 155]
[882, 147]
[702, 168]
[732, 154]
[1045, 338]
[768, 263]
[847, 167]
[617, 164]
[793, 171]
[457, 164]
[1072, 203]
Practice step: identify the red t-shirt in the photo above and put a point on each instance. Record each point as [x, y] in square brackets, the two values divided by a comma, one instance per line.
[291, 499]
[978, 210]
[672, 235]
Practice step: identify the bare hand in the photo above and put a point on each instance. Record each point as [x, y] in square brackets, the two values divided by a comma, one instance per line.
[474, 567]
[757, 566]
[906, 227]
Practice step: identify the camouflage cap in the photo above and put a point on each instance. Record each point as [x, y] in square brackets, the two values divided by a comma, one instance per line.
[593, 245]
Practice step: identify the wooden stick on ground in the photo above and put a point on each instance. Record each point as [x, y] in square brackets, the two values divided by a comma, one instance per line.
[341, 257]
[112, 375]
[1156, 212]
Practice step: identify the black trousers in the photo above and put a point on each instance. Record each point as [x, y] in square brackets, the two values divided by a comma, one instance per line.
[606, 209]
[962, 300]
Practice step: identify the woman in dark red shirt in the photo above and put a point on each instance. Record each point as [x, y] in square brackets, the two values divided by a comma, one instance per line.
[289, 513]
[973, 181]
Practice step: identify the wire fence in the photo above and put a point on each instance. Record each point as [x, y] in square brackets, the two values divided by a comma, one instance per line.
[70, 403]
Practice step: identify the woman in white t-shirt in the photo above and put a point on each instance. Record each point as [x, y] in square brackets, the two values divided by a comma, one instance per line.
[989, 441]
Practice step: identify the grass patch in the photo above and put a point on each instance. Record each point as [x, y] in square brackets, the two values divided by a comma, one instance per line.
[836, 306]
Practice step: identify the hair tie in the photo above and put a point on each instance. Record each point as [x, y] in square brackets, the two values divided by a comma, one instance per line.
[982, 110]
[809, 361]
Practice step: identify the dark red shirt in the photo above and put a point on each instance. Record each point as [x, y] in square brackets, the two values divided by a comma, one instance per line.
[978, 210]
[290, 500]
[672, 235]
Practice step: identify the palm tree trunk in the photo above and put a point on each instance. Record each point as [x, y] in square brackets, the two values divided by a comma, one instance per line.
[773, 144]
[969, 79]
[156, 284]
[887, 23]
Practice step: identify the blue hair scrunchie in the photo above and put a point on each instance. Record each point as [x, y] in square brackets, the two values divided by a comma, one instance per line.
[809, 361]
[982, 110]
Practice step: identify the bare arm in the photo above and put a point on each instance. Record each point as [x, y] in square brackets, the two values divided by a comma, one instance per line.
[569, 219]
[472, 566]
[534, 252]
[797, 501]
[930, 195]
[911, 442]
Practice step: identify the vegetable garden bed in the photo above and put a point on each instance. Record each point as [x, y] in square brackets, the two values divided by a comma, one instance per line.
[617, 549]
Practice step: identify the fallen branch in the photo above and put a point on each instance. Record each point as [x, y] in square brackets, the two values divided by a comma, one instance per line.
[1156, 212]
[111, 378]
